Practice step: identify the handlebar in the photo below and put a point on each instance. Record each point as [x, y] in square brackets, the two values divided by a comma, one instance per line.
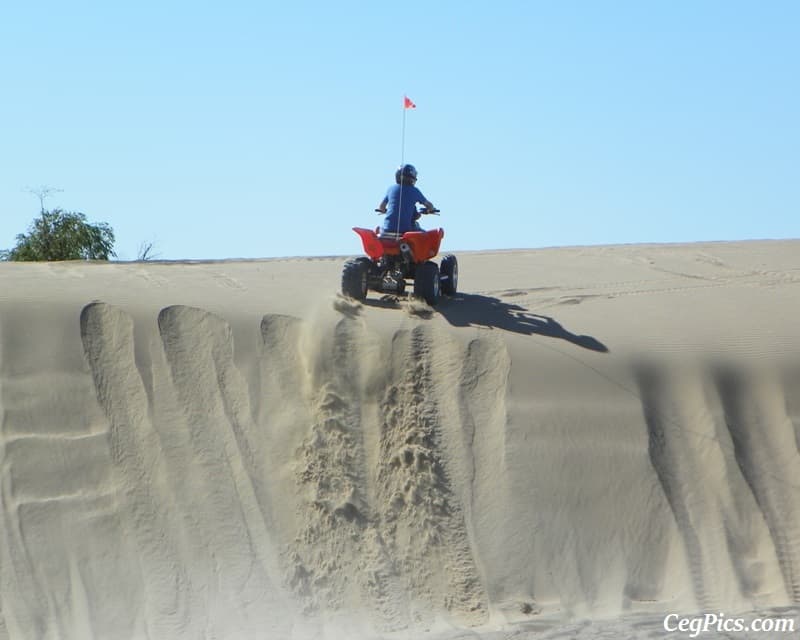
[424, 212]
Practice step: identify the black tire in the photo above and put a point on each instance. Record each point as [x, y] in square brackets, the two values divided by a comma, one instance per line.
[426, 282]
[448, 274]
[355, 275]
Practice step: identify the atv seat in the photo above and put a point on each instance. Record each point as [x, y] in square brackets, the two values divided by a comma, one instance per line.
[390, 241]
[387, 235]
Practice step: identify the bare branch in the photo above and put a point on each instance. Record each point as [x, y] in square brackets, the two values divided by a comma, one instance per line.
[145, 252]
[43, 192]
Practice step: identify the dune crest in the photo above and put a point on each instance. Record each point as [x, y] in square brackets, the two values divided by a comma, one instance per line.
[201, 460]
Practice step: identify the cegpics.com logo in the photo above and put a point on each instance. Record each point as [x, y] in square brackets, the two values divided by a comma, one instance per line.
[720, 623]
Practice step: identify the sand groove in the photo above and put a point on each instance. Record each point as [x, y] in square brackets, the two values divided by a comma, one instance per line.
[723, 449]
[685, 454]
[338, 559]
[765, 446]
[401, 526]
[482, 418]
[422, 520]
[213, 401]
[107, 335]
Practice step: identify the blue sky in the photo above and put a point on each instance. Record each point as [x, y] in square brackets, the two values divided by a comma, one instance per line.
[260, 129]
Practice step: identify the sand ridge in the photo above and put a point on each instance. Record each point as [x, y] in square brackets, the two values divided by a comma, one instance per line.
[217, 450]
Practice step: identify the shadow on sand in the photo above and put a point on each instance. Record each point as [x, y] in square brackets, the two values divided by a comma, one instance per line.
[470, 310]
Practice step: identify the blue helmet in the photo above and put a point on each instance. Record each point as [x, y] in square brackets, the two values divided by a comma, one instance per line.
[405, 174]
[409, 171]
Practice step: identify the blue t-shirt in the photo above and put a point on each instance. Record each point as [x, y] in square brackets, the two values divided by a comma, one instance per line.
[401, 200]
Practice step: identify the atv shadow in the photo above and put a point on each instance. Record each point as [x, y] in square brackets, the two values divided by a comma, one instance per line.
[472, 310]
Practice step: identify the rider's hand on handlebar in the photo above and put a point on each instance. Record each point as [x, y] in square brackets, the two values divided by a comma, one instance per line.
[427, 212]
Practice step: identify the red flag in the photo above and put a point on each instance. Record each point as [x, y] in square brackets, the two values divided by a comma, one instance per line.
[407, 104]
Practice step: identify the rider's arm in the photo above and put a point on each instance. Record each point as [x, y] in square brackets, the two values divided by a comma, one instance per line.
[424, 201]
[382, 206]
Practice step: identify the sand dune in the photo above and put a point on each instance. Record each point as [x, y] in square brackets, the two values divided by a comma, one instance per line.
[581, 442]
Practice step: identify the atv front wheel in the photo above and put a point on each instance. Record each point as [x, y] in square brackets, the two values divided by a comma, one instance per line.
[426, 282]
[354, 278]
[448, 274]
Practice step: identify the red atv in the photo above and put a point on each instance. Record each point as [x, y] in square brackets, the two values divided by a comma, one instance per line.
[393, 260]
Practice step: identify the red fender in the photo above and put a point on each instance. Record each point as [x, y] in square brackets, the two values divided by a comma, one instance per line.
[424, 244]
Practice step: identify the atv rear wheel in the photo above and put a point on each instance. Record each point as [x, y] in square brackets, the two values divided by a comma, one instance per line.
[426, 282]
[448, 274]
[355, 275]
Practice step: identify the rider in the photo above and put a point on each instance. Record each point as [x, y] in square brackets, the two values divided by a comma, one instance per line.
[400, 202]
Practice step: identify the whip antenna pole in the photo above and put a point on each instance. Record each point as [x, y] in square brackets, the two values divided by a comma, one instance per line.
[407, 104]
[403, 133]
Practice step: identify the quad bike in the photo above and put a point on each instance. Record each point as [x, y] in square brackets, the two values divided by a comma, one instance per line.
[394, 260]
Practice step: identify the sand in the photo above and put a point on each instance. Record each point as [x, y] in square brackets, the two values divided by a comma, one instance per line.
[581, 442]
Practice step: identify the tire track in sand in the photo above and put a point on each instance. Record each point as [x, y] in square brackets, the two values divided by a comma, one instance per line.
[686, 456]
[422, 520]
[480, 424]
[147, 509]
[766, 450]
[338, 563]
[231, 523]
[721, 445]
